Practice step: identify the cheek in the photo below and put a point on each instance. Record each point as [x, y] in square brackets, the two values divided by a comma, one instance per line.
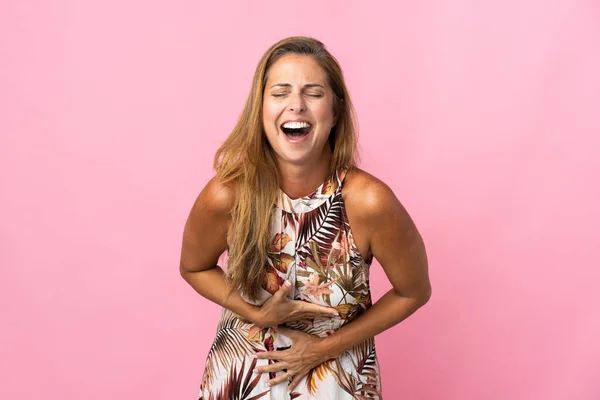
[325, 113]
[269, 119]
[270, 112]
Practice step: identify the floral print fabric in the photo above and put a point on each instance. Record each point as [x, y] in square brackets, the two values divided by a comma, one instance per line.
[312, 247]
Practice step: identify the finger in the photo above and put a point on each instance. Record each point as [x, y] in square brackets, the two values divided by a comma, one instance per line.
[279, 379]
[292, 334]
[275, 367]
[321, 311]
[284, 289]
[295, 382]
[270, 355]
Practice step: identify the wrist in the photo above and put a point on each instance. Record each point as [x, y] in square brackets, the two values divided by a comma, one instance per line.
[259, 316]
[255, 315]
[247, 311]
[329, 346]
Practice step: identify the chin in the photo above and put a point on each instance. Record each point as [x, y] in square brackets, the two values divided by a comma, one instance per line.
[293, 159]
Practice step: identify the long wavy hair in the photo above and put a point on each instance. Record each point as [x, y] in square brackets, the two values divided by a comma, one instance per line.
[247, 161]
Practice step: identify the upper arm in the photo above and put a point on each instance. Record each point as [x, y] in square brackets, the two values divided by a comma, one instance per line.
[205, 231]
[392, 236]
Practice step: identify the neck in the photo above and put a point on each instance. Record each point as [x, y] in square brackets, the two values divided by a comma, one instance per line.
[298, 180]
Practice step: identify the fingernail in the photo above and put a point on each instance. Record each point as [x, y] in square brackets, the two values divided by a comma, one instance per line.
[256, 370]
[254, 356]
[287, 283]
[268, 384]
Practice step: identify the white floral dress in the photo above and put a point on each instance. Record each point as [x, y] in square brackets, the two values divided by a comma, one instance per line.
[311, 246]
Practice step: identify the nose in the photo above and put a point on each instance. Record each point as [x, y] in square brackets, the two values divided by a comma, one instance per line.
[296, 103]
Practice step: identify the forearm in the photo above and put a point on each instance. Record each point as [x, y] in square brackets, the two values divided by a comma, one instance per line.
[213, 285]
[390, 310]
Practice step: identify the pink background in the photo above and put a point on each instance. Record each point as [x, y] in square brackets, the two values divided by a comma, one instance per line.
[483, 116]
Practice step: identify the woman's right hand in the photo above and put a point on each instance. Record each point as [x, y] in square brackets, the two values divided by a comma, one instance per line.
[279, 308]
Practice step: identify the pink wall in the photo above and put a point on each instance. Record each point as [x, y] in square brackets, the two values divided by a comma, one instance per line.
[482, 116]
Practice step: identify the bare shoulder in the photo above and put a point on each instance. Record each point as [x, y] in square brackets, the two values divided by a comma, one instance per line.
[207, 225]
[386, 229]
[375, 214]
[368, 196]
[216, 197]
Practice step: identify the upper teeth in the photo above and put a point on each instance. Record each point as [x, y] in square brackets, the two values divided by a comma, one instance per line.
[296, 125]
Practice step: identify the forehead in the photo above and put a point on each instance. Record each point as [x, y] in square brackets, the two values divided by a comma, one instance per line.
[296, 69]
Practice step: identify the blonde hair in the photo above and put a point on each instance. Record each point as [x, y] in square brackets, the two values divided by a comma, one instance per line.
[247, 160]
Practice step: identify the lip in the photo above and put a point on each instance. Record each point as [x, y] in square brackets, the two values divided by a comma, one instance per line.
[296, 140]
[295, 120]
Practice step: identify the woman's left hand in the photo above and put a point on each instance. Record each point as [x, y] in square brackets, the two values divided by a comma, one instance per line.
[305, 353]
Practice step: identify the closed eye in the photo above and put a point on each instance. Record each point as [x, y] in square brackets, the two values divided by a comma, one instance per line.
[314, 95]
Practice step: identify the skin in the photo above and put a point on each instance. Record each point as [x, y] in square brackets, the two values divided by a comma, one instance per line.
[298, 88]
[380, 225]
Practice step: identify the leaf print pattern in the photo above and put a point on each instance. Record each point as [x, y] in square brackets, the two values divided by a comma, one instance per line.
[229, 347]
[314, 289]
[273, 281]
[282, 261]
[238, 385]
[279, 242]
[256, 334]
[313, 247]
[319, 373]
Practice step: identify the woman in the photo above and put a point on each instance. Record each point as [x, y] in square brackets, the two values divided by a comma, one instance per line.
[301, 226]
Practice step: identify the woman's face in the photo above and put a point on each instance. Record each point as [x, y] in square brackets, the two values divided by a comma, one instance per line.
[298, 110]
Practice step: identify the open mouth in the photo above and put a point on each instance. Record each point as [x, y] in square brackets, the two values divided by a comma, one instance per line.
[296, 130]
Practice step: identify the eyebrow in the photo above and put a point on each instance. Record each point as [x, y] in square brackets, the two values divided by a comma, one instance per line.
[308, 85]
